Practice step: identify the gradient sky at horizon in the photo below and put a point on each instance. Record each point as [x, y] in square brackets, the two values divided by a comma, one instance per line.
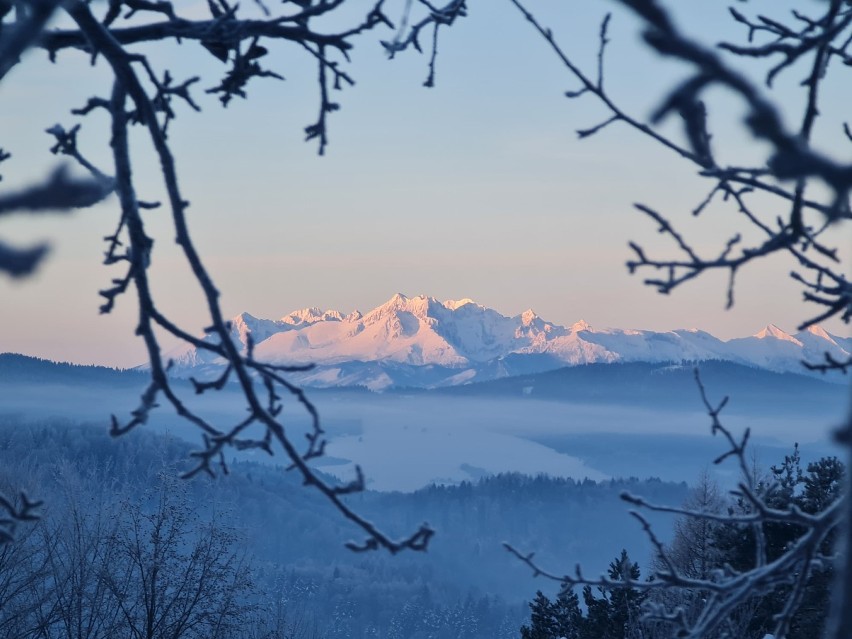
[476, 188]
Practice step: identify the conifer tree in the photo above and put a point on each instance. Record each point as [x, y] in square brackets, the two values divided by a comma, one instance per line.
[615, 613]
[569, 617]
[542, 619]
[787, 485]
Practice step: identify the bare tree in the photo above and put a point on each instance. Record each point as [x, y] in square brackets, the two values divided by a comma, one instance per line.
[795, 177]
[97, 567]
[141, 95]
[174, 576]
[692, 548]
[23, 571]
[23, 563]
[76, 602]
[695, 553]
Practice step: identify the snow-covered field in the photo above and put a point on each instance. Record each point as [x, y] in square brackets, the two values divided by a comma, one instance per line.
[404, 443]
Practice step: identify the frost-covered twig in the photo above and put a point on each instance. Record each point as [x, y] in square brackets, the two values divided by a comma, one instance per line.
[14, 512]
[151, 98]
[792, 158]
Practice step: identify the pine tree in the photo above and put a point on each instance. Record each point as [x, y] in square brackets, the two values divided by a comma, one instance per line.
[561, 619]
[542, 619]
[812, 491]
[615, 613]
[569, 617]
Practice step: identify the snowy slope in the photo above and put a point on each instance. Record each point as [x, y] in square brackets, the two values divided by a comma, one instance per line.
[421, 341]
[776, 350]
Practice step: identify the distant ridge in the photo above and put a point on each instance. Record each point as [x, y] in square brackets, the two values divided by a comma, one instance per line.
[650, 385]
[424, 342]
[28, 369]
[670, 387]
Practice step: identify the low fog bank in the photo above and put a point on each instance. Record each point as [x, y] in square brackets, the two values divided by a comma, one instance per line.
[407, 441]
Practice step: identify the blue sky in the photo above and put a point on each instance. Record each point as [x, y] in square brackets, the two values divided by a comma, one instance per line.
[477, 188]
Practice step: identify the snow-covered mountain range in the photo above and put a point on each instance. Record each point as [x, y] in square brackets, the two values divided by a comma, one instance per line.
[421, 341]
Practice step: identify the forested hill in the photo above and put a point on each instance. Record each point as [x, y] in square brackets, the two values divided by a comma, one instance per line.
[22, 369]
[671, 386]
[663, 386]
[296, 540]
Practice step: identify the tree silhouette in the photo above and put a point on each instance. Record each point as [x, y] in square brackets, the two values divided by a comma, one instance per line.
[612, 613]
[543, 619]
[615, 612]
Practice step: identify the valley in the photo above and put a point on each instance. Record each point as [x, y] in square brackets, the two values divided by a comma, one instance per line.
[573, 422]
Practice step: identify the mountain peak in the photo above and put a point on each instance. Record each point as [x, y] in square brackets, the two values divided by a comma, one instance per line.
[476, 342]
[400, 302]
[302, 315]
[772, 331]
[244, 317]
[418, 306]
[818, 331]
[456, 304]
[411, 304]
[311, 315]
[528, 317]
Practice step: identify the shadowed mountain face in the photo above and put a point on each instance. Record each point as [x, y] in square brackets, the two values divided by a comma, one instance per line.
[423, 342]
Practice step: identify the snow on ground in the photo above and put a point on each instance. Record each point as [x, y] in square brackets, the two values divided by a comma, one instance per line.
[407, 457]
[404, 443]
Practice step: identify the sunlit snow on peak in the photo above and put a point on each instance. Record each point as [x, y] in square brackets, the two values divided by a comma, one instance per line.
[582, 325]
[311, 315]
[473, 342]
[528, 317]
[818, 331]
[774, 332]
[456, 304]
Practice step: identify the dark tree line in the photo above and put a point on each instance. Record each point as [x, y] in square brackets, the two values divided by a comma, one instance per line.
[713, 549]
[610, 612]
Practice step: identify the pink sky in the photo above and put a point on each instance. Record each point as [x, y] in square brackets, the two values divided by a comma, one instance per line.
[478, 188]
